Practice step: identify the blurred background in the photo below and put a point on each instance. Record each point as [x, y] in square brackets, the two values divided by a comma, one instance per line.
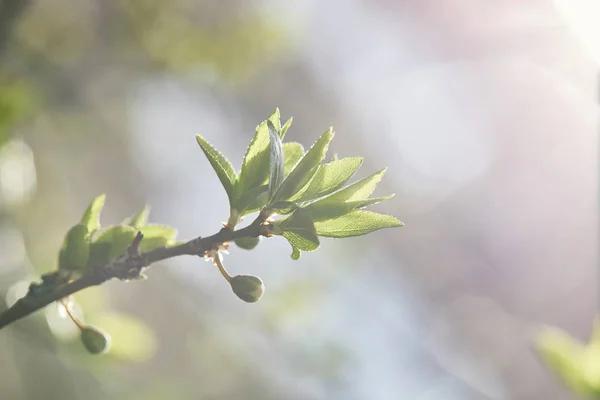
[485, 112]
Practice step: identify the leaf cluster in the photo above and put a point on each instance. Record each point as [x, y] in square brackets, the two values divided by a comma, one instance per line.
[312, 197]
[87, 244]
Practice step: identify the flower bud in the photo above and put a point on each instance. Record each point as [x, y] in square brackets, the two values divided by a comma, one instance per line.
[247, 242]
[247, 287]
[95, 340]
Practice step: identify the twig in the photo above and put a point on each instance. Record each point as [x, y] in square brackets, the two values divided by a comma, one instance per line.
[128, 267]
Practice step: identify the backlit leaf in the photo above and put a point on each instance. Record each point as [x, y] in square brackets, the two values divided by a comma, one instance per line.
[220, 164]
[292, 153]
[305, 169]
[323, 211]
[91, 216]
[110, 244]
[329, 178]
[276, 163]
[355, 223]
[156, 236]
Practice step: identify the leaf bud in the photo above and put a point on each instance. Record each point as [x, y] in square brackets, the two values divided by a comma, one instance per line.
[247, 242]
[95, 340]
[247, 287]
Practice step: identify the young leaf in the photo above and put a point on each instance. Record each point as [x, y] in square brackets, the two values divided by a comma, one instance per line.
[75, 250]
[285, 127]
[276, 162]
[220, 164]
[252, 200]
[110, 244]
[292, 153]
[323, 211]
[355, 223]
[299, 230]
[138, 219]
[275, 119]
[295, 253]
[255, 167]
[156, 236]
[305, 169]
[283, 207]
[359, 190]
[91, 216]
[329, 178]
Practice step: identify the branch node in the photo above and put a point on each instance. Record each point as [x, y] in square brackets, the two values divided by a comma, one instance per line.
[134, 248]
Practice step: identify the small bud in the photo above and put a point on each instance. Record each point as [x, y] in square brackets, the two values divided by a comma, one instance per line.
[247, 287]
[95, 340]
[247, 243]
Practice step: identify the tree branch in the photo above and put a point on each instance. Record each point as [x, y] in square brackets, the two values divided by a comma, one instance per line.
[127, 267]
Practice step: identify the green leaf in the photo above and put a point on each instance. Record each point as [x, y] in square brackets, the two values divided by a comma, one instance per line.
[75, 250]
[220, 164]
[156, 236]
[355, 223]
[295, 253]
[285, 127]
[275, 119]
[359, 190]
[110, 244]
[276, 163]
[91, 216]
[299, 230]
[323, 211]
[292, 153]
[255, 167]
[253, 200]
[329, 178]
[138, 219]
[305, 169]
[565, 356]
[283, 207]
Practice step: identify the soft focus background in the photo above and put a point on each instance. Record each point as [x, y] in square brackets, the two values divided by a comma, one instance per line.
[486, 113]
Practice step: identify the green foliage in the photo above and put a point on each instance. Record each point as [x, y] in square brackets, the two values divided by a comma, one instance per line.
[256, 166]
[299, 230]
[281, 207]
[355, 223]
[359, 190]
[276, 161]
[285, 127]
[292, 153]
[247, 287]
[110, 244]
[156, 236]
[324, 211]
[281, 179]
[329, 178]
[91, 216]
[220, 164]
[139, 219]
[299, 197]
[577, 364]
[75, 251]
[302, 173]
